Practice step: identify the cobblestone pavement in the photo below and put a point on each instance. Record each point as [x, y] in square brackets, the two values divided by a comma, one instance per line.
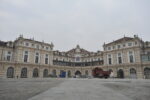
[22, 89]
[74, 89]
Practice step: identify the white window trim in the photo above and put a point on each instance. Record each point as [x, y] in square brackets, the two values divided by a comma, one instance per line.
[131, 44]
[45, 58]
[24, 55]
[6, 54]
[118, 59]
[108, 59]
[133, 56]
[39, 61]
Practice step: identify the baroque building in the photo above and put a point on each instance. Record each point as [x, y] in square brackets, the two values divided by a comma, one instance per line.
[128, 57]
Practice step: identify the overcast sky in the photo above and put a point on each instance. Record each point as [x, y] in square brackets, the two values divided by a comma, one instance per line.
[67, 23]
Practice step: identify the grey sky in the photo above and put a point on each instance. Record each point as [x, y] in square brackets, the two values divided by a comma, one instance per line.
[67, 23]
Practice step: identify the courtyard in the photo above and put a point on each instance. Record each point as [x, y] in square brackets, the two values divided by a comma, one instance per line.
[74, 89]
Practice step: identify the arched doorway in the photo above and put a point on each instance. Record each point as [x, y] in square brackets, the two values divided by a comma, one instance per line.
[45, 73]
[133, 73]
[86, 73]
[78, 73]
[69, 73]
[24, 73]
[62, 74]
[147, 73]
[35, 73]
[54, 73]
[10, 72]
[120, 73]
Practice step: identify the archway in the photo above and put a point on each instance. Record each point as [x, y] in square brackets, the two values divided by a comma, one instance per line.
[86, 73]
[78, 73]
[10, 72]
[62, 74]
[24, 73]
[147, 73]
[133, 73]
[69, 73]
[54, 73]
[45, 73]
[120, 73]
[35, 73]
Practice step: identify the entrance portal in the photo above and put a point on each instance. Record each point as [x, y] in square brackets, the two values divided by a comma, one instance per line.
[120, 73]
[147, 73]
[78, 74]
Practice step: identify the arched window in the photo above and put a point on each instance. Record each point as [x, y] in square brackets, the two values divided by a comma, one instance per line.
[35, 73]
[24, 73]
[10, 72]
[120, 73]
[45, 73]
[147, 73]
[133, 73]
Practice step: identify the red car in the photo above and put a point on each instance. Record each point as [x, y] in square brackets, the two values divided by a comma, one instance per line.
[99, 73]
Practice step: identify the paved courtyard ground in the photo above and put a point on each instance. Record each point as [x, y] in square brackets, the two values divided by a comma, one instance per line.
[74, 89]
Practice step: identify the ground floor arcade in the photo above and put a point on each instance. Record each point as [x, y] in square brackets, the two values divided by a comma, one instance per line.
[32, 71]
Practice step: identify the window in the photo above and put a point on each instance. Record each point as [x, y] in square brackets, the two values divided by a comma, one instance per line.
[119, 58]
[47, 48]
[114, 47]
[26, 44]
[8, 56]
[77, 58]
[36, 57]
[119, 46]
[37, 46]
[32, 45]
[46, 59]
[131, 58]
[109, 60]
[124, 45]
[136, 43]
[129, 44]
[109, 48]
[26, 56]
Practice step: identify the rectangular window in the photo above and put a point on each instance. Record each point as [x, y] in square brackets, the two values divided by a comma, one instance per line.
[114, 47]
[109, 48]
[26, 56]
[109, 60]
[129, 44]
[32, 45]
[8, 56]
[47, 48]
[119, 46]
[46, 59]
[37, 46]
[77, 58]
[37, 57]
[131, 58]
[124, 45]
[119, 58]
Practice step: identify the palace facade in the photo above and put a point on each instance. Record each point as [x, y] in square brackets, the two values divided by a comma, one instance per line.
[128, 57]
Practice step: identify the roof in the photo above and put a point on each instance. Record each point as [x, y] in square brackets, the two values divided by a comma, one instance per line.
[2, 43]
[121, 40]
